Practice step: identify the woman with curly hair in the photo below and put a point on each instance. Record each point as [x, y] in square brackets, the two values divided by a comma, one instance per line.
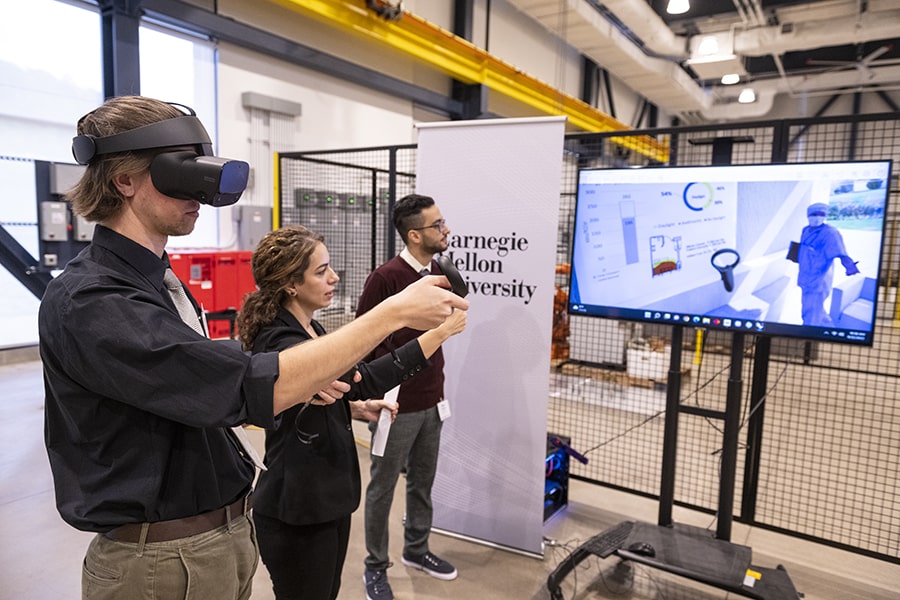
[303, 501]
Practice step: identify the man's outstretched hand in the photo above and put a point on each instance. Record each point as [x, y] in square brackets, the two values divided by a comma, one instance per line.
[849, 265]
[426, 303]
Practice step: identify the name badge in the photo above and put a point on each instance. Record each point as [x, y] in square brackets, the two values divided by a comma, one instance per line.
[443, 409]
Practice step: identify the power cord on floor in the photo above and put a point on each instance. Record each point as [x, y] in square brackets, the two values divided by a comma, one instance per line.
[619, 581]
[562, 552]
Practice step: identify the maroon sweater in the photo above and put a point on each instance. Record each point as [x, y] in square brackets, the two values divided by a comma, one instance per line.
[426, 389]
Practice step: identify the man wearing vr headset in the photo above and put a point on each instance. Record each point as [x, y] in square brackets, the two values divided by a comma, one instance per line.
[139, 404]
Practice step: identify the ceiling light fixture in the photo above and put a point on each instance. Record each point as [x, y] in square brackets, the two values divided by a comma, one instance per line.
[747, 96]
[730, 79]
[678, 7]
[709, 46]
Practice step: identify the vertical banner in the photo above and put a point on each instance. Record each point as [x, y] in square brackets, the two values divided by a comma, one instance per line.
[497, 183]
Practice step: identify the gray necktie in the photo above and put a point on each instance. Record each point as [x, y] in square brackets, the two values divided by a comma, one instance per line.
[189, 316]
[179, 297]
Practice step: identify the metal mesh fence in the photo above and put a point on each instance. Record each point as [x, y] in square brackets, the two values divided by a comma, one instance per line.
[820, 425]
[347, 196]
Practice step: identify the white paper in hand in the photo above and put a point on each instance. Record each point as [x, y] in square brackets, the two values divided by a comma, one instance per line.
[379, 440]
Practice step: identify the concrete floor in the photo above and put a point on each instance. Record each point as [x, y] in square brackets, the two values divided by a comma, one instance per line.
[40, 556]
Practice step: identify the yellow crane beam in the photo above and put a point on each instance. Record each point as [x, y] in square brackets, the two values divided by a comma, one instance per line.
[464, 61]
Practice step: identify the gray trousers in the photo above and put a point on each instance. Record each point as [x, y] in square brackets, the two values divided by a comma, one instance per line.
[414, 441]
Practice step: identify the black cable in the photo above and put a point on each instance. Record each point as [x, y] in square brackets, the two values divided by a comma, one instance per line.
[722, 370]
[696, 391]
[624, 433]
[693, 394]
[766, 395]
[628, 588]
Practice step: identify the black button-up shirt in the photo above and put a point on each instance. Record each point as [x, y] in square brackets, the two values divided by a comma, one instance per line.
[138, 403]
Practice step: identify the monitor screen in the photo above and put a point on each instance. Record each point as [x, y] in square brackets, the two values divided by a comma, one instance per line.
[778, 249]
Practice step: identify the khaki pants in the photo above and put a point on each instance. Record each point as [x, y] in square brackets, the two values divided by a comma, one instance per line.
[218, 564]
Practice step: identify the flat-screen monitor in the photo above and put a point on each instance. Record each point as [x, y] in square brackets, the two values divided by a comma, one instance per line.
[777, 249]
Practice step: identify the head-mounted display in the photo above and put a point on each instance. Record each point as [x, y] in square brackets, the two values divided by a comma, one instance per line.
[207, 179]
[183, 174]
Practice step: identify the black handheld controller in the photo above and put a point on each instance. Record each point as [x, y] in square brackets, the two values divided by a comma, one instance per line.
[457, 284]
[348, 376]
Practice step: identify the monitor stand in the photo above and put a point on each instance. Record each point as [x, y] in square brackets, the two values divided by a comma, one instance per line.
[695, 553]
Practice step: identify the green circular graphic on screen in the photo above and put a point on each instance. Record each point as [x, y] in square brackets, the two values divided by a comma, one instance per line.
[698, 195]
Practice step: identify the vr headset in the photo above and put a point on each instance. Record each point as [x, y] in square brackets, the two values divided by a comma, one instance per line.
[178, 173]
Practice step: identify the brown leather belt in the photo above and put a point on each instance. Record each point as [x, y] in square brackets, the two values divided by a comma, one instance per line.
[164, 531]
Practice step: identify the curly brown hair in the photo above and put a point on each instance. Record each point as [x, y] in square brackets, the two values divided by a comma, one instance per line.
[95, 197]
[280, 259]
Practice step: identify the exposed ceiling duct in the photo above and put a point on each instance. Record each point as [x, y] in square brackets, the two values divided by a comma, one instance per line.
[659, 78]
[842, 28]
[727, 108]
[635, 45]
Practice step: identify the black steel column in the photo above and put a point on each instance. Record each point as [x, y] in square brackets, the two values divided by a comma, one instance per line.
[472, 96]
[854, 127]
[730, 438]
[120, 24]
[781, 142]
[373, 229]
[758, 388]
[722, 149]
[674, 143]
[670, 435]
[653, 119]
[589, 81]
[607, 85]
[391, 246]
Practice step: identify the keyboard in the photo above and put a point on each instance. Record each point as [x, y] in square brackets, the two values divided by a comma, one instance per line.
[606, 542]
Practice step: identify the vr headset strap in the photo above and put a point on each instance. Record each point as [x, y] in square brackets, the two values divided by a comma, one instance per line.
[178, 131]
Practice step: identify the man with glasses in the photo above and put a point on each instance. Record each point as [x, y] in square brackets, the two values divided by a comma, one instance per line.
[414, 437]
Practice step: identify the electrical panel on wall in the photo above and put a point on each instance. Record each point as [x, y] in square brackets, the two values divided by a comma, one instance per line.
[61, 234]
[253, 223]
[53, 221]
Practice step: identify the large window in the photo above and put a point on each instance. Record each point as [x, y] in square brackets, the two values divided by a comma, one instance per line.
[50, 76]
[180, 68]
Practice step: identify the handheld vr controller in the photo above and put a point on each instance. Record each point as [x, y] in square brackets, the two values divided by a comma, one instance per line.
[557, 442]
[346, 378]
[349, 375]
[185, 174]
[457, 284]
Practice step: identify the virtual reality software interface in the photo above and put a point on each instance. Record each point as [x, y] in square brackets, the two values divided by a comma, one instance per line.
[779, 249]
[180, 173]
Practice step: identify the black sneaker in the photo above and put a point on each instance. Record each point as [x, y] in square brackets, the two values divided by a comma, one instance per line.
[431, 564]
[377, 586]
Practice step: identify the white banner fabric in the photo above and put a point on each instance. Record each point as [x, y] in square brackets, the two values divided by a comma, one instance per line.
[497, 183]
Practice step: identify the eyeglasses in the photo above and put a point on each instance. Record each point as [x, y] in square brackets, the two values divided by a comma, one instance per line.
[303, 436]
[438, 225]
